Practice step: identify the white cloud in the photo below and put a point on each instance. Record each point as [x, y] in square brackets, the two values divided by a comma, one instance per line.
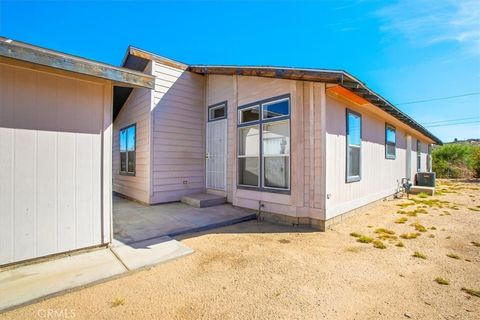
[427, 22]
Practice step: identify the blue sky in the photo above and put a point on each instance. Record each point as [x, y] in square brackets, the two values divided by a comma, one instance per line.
[405, 50]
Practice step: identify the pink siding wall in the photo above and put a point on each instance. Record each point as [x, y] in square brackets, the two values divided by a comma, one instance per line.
[306, 141]
[219, 89]
[178, 130]
[136, 110]
[379, 176]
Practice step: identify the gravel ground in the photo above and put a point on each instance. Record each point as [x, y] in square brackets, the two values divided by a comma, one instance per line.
[257, 270]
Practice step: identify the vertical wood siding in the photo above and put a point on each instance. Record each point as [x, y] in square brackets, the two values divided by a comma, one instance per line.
[307, 173]
[135, 110]
[178, 130]
[218, 89]
[50, 163]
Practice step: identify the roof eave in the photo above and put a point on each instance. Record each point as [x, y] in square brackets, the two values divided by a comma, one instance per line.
[340, 77]
[37, 55]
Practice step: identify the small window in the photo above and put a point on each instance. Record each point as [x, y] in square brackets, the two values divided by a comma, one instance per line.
[354, 146]
[275, 109]
[249, 114]
[419, 156]
[390, 142]
[127, 150]
[217, 112]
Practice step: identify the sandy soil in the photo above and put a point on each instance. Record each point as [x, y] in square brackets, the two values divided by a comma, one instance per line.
[258, 270]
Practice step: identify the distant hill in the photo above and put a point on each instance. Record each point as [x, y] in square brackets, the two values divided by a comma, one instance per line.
[467, 141]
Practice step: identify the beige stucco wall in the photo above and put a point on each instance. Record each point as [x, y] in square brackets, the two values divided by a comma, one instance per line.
[55, 165]
[136, 110]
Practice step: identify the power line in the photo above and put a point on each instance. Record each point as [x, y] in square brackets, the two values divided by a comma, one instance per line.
[441, 98]
[450, 120]
[453, 124]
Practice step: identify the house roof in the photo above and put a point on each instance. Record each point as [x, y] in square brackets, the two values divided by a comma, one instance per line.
[38, 55]
[339, 77]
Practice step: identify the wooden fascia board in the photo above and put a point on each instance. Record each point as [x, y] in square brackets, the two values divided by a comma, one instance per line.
[153, 57]
[36, 55]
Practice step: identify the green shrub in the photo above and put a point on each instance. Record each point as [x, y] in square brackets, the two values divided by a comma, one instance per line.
[475, 161]
[456, 160]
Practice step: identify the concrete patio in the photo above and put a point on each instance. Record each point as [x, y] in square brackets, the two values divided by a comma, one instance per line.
[134, 222]
[142, 238]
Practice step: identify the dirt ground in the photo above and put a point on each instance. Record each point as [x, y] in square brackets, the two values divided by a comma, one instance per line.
[257, 270]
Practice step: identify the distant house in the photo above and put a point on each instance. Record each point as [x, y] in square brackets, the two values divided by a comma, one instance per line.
[307, 145]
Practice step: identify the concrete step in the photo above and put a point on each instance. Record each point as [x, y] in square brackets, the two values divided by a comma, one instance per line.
[418, 189]
[202, 200]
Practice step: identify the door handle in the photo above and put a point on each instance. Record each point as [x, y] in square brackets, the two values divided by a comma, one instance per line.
[207, 155]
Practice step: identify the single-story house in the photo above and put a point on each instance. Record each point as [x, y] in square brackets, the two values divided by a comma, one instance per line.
[55, 150]
[304, 146]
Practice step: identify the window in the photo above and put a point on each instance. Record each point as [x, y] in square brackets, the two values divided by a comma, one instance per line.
[354, 146]
[217, 111]
[275, 109]
[264, 145]
[390, 142]
[429, 158]
[249, 155]
[127, 150]
[249, 114]
[276, 154]
[419, 155]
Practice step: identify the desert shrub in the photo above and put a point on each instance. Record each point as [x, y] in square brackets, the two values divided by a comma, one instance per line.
[475, 161]
[456, 160]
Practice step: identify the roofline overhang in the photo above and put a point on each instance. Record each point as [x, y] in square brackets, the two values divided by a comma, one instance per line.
[339, 77]
[58, 60]
[137, 52]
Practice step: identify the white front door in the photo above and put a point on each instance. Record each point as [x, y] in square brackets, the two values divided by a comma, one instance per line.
[216, 153]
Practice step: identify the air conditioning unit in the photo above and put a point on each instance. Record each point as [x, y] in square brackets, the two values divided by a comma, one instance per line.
[426, 179]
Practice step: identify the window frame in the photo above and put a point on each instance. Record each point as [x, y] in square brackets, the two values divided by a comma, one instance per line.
[429, 157]
[419, 155]
[246, 156]
[247, 107]
[387, 143]
[273, 102]
[127, 173]
[350, 179]
[287, 118]
[223, 104]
